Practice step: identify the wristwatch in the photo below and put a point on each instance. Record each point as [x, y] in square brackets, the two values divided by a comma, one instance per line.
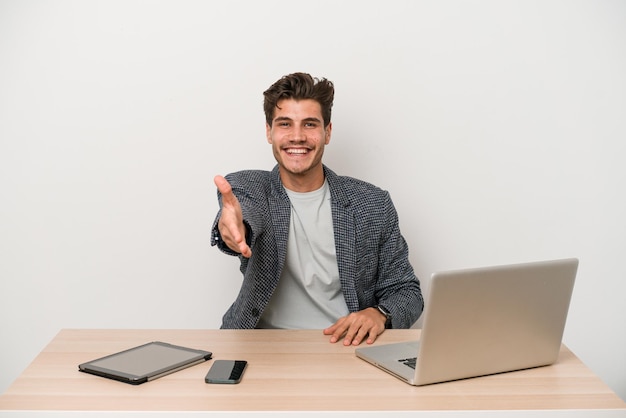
[385, 312]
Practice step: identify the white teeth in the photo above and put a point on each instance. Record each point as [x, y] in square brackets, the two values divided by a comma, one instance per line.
[297, 151]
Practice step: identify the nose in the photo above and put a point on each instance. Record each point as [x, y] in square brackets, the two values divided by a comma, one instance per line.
[298, 134]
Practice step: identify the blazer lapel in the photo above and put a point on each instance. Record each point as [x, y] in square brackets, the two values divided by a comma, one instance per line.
[345, 240]
[280, 210]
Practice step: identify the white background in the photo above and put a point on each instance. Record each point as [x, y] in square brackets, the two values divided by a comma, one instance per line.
[497, 126]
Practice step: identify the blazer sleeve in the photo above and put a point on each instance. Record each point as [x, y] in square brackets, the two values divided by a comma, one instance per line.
[398, 288]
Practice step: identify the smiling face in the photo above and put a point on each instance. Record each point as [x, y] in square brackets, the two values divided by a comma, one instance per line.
[298, 137]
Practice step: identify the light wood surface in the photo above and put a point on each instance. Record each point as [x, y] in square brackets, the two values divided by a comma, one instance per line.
[288, 371]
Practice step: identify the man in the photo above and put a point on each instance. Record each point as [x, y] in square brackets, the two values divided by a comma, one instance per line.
[317, 250]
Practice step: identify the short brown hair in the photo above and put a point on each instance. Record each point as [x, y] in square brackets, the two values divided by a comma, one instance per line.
[299, 86]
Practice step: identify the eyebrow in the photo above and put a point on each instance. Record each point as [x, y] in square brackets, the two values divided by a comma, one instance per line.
[285, 118]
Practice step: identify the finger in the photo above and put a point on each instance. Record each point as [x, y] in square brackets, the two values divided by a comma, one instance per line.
[373, 333]
[336, 330]
[372, 337]
[331, 329]
[234, 237]
[358, 338]
[352, 336]
[224, 187]
[238, 237]
[222, 184]
[245, 250]
[350, 331]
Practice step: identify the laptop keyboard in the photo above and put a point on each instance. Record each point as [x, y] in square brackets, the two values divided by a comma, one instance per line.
[409, 362]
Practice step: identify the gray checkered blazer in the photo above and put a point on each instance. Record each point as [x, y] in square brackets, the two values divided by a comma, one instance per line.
[372, 255]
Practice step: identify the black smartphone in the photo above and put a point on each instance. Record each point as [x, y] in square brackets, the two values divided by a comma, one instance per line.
[226, 371]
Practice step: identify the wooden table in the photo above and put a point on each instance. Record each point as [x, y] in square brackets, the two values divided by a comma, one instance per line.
[288, 371]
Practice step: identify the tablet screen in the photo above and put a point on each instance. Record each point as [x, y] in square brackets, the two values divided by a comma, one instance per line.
[145, 361]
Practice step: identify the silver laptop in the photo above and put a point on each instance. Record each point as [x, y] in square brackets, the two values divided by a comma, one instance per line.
[483, 321]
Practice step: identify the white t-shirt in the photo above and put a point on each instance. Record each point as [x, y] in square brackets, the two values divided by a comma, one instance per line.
[308, 295]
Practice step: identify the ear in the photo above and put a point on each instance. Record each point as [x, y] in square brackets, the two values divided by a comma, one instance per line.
[328, 130]
[268, 133]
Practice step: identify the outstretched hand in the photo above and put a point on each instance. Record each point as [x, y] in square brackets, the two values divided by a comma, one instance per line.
[230, 225]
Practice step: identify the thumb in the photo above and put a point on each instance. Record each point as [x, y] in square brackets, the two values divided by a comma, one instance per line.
[224, 187]
[222, 184]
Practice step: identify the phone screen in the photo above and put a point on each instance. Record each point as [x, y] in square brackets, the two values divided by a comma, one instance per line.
[226, 371]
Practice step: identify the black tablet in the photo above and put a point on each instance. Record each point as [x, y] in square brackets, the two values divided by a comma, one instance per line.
[144, 363]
